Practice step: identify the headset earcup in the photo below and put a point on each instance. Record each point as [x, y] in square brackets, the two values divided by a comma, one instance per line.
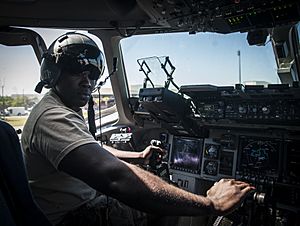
[49, 71]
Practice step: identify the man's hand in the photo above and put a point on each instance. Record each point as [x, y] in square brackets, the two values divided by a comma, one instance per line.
[148, 151]
[228, 194]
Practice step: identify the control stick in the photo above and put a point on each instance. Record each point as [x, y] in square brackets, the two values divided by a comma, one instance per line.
[156, 165]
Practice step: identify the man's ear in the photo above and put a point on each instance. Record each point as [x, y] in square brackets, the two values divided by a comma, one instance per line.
[56, 85]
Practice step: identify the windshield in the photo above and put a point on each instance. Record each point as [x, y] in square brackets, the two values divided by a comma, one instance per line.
[204, 58]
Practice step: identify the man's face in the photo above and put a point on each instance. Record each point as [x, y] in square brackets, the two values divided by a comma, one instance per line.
[75, 89]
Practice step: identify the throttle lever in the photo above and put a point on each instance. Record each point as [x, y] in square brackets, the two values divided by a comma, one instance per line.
[155, 159]
[156, 165]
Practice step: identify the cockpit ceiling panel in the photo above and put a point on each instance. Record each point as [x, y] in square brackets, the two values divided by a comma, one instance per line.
[149, 16]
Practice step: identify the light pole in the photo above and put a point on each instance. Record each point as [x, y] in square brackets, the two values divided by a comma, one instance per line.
[2, 88]
[23, 97]
[240, 69]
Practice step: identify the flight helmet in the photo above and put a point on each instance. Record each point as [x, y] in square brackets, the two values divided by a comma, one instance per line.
[72, 52]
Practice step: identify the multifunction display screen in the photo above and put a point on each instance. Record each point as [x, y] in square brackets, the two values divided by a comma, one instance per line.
[259, 155]
[186, 154]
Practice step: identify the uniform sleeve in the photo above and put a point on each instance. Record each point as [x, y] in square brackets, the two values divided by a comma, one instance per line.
[58, 132]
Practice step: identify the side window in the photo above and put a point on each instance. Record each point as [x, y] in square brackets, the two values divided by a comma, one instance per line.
[298, 34]
[19, 74]
[297, 50]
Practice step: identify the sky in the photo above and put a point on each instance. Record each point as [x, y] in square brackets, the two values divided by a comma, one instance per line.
[199, 59]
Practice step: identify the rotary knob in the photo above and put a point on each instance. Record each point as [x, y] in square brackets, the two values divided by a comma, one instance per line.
[265, 110]
[242, 110]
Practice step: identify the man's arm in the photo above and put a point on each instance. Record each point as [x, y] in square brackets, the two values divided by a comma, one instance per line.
[140, 189]
[135, 157]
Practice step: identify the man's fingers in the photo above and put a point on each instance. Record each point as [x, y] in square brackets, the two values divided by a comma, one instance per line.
[233, 182]
[248, 188]
[155, 147]
[241, 182]
[158, 149]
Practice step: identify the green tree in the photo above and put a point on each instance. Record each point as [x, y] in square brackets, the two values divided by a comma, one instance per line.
[5, 102]
[19, 101]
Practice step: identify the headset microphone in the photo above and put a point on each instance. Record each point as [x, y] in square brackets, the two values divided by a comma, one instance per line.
[91, 112]
[115, 61]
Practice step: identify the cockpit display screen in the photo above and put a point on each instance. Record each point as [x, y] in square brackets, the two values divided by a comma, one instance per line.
[186, 154]
[259, 155]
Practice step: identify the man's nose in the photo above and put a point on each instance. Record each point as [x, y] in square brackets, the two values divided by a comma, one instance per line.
[85, 80]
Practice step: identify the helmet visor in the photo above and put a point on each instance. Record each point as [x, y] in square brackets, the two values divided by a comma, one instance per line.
[76, 65]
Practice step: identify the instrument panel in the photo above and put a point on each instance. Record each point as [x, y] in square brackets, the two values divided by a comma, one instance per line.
[249, 133]
[269, 163]
[221, 16]
[250, 158]
[275, 104]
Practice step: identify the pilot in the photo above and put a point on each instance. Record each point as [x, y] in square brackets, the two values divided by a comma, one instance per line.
[70, 172]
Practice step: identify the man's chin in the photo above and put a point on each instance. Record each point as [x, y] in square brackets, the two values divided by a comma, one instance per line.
[83, 101]
[85, 97]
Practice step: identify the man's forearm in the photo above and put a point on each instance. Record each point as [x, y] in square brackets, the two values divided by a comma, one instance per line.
[153, 191]
[144, 187]
[128, 156]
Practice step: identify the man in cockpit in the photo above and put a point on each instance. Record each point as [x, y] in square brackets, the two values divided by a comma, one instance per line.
[68, 168]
